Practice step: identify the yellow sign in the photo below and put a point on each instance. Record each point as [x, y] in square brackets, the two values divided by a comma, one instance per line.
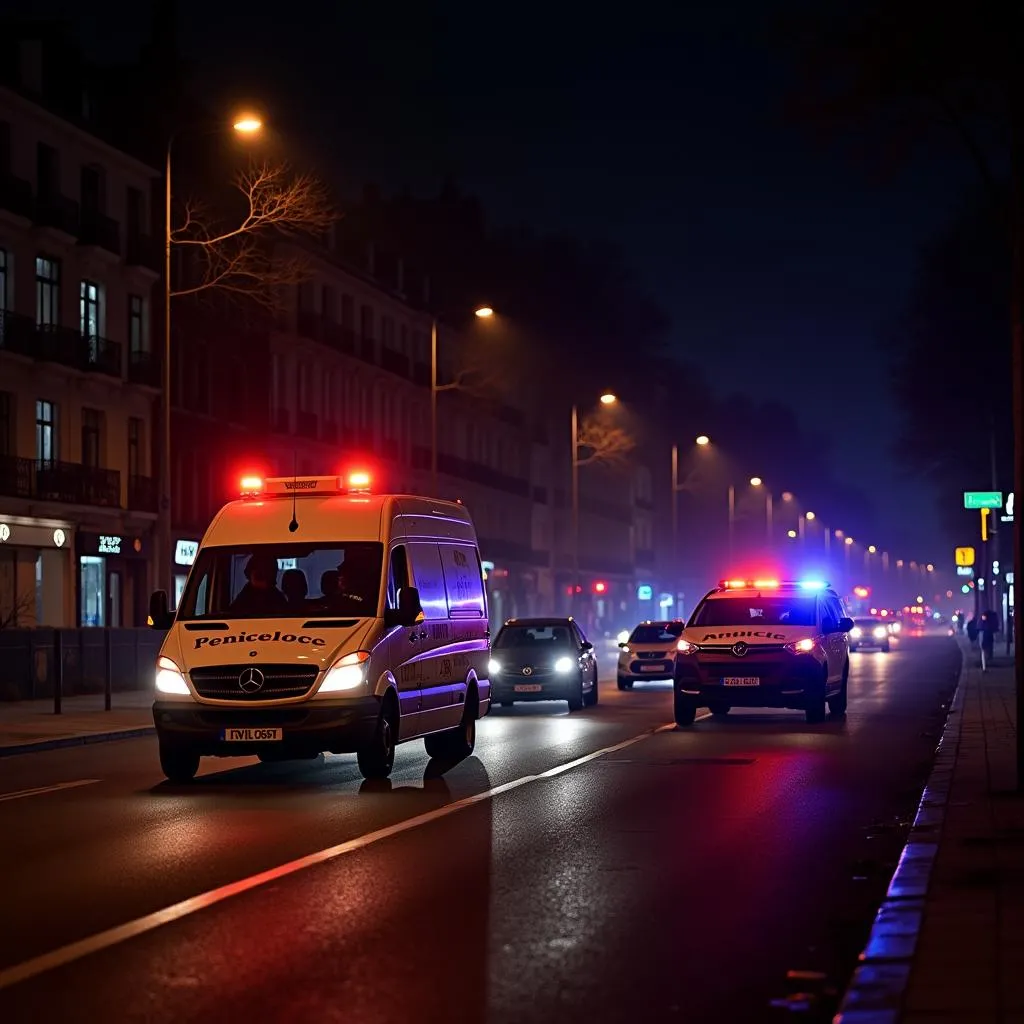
[965, 556]
[984, 524]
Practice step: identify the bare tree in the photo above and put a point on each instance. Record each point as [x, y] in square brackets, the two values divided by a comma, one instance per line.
[603, 442]
[10, 618]
[237, 258]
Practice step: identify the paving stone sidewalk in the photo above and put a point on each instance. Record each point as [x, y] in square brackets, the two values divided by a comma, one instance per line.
[948, 943]
[31, 725]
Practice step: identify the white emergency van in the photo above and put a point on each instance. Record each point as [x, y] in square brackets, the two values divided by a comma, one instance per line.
[318, 616]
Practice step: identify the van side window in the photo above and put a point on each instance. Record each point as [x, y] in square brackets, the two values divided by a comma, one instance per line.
[428, 579]
[398, 575]
[463, 581]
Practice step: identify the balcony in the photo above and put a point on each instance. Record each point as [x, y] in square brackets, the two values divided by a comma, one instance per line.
[57, 212]
[68, 482]
[144, 368]
[104, 356]
[306, 425]
[17, 333]
[16, 196]
[142, 493]
[144, 251]
[56, 344]
[98, 230]
[394, 362]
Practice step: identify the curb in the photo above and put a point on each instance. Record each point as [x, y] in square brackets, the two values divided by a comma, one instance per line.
[36, 746]
[879, 984]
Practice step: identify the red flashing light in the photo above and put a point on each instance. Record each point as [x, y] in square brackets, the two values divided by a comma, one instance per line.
[359, 481]
[749, 584]
[600, 587]
[251, 484]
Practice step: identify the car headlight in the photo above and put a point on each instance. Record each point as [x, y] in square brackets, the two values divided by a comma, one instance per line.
[856, 632]
[564, 665]
[623, 636]
[895, 627]
[346, 673]
[804, 646]
[169, 678]
[685, 647]
[625, 650]
[493, 667]
[880, 631]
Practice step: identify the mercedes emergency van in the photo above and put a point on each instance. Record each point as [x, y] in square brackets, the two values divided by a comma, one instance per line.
[320, 617]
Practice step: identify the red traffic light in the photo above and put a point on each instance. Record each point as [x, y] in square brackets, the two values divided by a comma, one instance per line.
[600, 587]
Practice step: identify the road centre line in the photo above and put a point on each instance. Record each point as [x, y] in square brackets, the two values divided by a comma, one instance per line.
[40, 790]
[140, 926]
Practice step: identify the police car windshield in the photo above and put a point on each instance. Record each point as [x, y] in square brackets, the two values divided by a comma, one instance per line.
[756, 611]
[536, 638]
[652, 634]
[270, 581]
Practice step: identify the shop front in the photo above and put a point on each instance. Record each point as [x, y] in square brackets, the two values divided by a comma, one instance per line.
[112, 574]
[36, 573]
[185, 550]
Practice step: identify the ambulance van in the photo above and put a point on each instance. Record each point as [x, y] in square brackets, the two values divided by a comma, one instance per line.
[317, 617]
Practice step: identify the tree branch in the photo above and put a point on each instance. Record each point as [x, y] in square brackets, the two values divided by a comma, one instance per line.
[603, 442]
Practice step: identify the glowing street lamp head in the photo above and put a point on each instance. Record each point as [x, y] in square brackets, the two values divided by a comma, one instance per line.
[756, 481]
[849, 541]
[872, 549]
[608, 398]
[703, 440]
[484, 312]
[809, 516]
[791, 534]
[248, 124]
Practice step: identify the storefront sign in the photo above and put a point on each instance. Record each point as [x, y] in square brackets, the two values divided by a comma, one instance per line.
[111, 545]
[24, 532]
[185, 552]
[5, 532]
[59, 536]
[644, 592]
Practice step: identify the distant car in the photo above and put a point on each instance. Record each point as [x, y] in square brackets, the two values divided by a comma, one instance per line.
[543, 659]
[649, 653]
[870, 633]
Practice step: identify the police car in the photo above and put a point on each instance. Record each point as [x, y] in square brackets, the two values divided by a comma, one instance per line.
[763, 643]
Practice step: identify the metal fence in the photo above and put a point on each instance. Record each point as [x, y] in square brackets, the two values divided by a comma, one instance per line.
[54, 663]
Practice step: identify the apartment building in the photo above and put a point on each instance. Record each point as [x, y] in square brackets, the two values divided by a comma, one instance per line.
[78, 382]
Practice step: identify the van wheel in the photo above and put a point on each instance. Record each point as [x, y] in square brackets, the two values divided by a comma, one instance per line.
[377, 758]
[179, 765]
[458, 743]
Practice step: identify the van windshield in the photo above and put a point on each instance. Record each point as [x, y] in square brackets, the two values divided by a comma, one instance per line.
[270, 581]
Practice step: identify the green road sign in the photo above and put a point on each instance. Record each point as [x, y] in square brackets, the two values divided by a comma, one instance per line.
[983, 499]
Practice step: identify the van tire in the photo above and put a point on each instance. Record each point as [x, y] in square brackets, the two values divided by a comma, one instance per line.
[179, 765]
[377, 758]
[455, 744]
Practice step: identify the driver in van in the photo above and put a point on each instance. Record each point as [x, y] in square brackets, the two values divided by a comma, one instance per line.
[260, 595]
[356, 577]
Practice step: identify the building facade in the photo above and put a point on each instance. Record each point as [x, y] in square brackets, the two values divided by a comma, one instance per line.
[77, 378]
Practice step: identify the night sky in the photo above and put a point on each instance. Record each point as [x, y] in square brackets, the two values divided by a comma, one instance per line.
[781, 261]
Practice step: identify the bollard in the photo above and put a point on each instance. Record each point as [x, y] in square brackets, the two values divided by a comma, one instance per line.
[58, 671]
[107, 676]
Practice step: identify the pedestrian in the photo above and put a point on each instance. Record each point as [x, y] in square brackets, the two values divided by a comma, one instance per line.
[989, 628]
[972, 631]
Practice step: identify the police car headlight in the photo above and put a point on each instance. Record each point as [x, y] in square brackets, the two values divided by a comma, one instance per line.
[564, 665]
[880, 631]
[493, 667]
[804, 646]
[856, 632]
[346, 673]
[685, 647]
[623, 636]
[169, 678]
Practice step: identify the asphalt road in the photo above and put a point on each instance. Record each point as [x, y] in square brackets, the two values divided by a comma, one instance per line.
[677, 876]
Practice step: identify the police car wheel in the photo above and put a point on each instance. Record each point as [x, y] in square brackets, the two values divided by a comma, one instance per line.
[377, 758]
[685, 710]
[625, 684]
[179, 765]
[814, 710]
[837, 704]
[885, 647]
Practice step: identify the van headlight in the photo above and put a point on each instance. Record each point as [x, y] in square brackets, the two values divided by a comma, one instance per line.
[346, 673]
[564, 665]
[493, 667]
[169, 678]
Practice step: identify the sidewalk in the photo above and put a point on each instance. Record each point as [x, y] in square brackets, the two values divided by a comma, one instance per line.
[948, 943]
[29, 725]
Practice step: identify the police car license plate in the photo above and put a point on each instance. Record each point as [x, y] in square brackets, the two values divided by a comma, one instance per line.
[741, 681]
[251, 735]
[528, 688]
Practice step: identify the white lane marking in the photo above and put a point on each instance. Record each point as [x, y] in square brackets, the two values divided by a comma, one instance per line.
[132, 929]
[40, 790]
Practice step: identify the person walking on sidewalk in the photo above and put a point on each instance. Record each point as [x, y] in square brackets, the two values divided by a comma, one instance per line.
[989, 628]
[972, 631]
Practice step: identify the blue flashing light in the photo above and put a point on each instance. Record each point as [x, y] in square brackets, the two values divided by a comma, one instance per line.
[813, 584]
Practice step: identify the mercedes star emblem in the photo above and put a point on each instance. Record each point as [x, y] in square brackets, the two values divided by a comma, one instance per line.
[739, 649]
[251, 680]
[527, 671]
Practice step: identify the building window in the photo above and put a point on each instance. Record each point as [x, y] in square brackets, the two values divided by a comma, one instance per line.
[89, 309]
[4, 281]
[92, 423]
[47, 171]
[138, 340]
[134, 447]
[93, 188]
[93, 589]
[46, 431]
[6, 423]
[47, 291]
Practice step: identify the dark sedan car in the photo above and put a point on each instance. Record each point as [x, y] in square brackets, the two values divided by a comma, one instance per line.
[869, 632]
[543, 659]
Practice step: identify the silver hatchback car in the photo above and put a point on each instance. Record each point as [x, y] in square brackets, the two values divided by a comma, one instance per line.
[649, 653]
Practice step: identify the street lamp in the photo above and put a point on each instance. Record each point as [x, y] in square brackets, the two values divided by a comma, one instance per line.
[606, 399]
[756, 481]
[483, 313]
[702, 442]
[248, 125]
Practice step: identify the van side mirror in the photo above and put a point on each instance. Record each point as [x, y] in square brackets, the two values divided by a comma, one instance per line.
[160, 616]
[586, 646]
[622, 646]
[408, 611]
[845, 624]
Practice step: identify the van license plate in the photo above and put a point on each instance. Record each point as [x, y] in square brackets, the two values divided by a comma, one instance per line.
[741, 681]
[652, 668]
[528, 688]
[251, 735]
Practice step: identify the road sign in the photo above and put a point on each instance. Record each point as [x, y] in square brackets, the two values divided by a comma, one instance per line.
[983, 499]
[964, 570]
[965, 556]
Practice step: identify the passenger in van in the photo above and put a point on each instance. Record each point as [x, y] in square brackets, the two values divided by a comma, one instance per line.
[294, 585]
[358, 577]
[260, 595]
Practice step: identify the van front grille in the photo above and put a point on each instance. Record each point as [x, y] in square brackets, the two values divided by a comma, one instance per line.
[253, 682]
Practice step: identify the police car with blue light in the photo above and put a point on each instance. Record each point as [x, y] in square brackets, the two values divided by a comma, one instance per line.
[764, 643]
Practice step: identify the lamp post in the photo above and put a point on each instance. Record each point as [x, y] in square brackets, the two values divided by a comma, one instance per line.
[606, 399]
[247, 125]
[756, 481]
[702, 441]
[484, 313]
